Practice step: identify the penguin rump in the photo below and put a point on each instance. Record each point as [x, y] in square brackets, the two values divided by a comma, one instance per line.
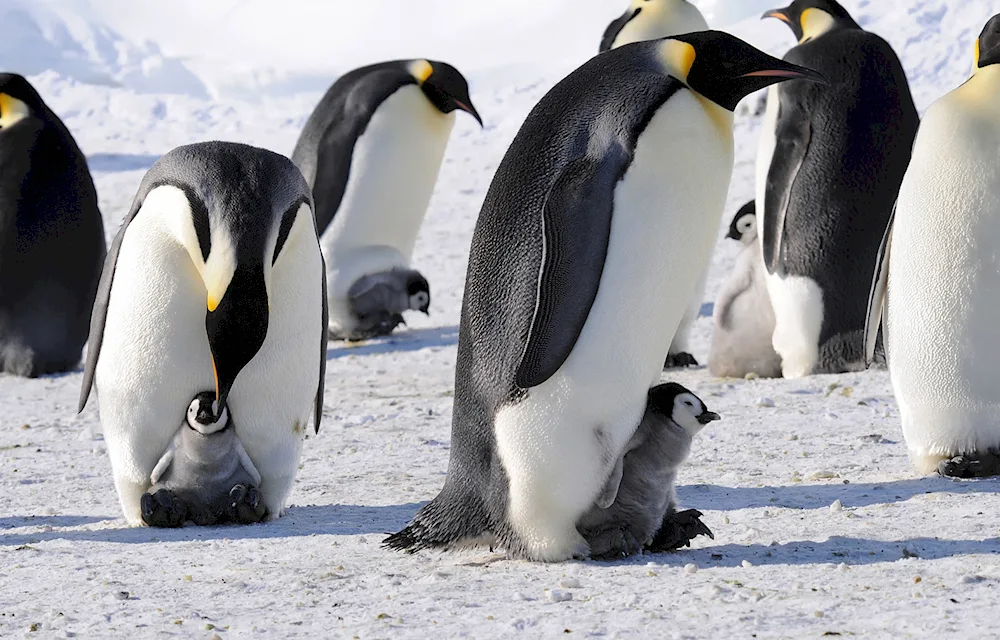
[52, 243]
[214, 281]
[563, 329]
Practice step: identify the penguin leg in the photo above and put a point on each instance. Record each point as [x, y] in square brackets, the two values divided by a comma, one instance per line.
[973, 465]
[679, 528]
[163, 509]
[613, 542]
[373, 326]
[245, 505]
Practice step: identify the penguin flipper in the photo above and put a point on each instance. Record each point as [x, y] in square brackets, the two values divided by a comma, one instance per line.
[792, 143]
[610, 491]
[323, 342]
[247, 463]
[611, 33]
[876, 298]
[577, 228]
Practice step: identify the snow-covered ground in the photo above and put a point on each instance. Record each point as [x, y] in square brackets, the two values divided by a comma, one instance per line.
[821, 525]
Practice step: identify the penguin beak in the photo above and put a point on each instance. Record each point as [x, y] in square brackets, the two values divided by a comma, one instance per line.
[707, 417]
[468, 108]
[236, 328]
[733, 235]
[791, 72]
[777, 13]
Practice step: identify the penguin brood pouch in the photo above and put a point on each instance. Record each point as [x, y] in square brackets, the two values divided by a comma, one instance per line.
[830, 164]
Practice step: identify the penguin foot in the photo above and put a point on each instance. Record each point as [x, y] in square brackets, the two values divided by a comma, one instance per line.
[245, 505]
[973, 465]
[371, 327]
[163, 509]
[613, 543]
[680, 361]
[678, 530]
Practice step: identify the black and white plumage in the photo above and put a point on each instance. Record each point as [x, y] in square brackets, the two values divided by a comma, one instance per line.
[650, 20]
[52, 243]
[829, 168]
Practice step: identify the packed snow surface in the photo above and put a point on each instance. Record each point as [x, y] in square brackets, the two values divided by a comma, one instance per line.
[821, 525]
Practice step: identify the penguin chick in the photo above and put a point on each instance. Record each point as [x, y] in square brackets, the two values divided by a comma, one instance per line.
[378, 301]
[206, 475]
[637, 509]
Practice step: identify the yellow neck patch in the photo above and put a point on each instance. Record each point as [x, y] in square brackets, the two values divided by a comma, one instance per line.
[11, 110]
[815, 22]
[678, 58]
[421, 70]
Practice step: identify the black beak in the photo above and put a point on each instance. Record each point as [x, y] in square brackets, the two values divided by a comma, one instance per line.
[733, 235]
[237, 328]
[707, 417]
[789, 71]
[471, 110]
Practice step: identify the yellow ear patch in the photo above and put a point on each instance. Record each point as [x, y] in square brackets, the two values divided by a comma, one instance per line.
[421, 70]
[11, 110]
[975, 60]
[678, 58]
[815, 22]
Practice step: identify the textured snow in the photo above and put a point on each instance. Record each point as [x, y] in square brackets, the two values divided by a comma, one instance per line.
[821, 525]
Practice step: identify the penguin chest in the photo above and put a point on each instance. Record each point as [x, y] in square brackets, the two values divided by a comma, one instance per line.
[661, 22]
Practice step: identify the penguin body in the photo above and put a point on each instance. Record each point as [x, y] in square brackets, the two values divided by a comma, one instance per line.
[829, 168]
[371, 152]
[215, 280]
[639, 495]
[744, 319]
[650, 20]
[52, 243]
[562, 328]
[937, 287]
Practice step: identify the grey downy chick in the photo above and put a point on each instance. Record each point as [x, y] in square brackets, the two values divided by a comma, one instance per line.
[379, 300]
[637, 509]
[205, 476]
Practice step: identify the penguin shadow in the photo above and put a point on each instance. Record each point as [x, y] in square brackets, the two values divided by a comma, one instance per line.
[399, 342]
[112, 162]
[708, 496]
[299, 521]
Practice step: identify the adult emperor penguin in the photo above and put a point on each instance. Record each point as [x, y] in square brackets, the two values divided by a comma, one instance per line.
[51, 237]
[214, 281]
[828, 171]
[371, 152]
[937, 285]
[744, 319]
[592, 238]
[648, 20]
[652, 19]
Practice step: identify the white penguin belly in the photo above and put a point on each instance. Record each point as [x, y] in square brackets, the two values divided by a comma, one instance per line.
[661, 22]
[394, 168]
[943, 301]
[557, 445]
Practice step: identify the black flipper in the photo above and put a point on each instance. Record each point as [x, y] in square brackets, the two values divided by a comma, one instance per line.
[323, 341]
[791, 146]
[615, 28]
[876, 298]
[577, 226]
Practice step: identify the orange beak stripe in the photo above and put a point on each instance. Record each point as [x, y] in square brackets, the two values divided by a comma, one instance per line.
[215, 374]
[779, 16]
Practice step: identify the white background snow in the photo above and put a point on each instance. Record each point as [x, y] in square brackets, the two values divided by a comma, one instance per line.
[821, 525]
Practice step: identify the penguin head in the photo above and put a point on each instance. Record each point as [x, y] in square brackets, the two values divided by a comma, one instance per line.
[988, 45]
[237, 211]
[677, 403]
[725, 69]
[809, 19]
[18, 100]
[201, 414]
[744, 226]
[419, 292]
[444, 86]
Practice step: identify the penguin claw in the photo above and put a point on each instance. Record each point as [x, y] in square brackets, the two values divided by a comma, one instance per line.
[680, 361]
[163, 509]
[678, 530]
[613, 543]
[973, 465]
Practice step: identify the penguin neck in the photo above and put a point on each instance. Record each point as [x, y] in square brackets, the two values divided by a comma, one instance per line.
[721, 117]
[817, 23]
[982, 89]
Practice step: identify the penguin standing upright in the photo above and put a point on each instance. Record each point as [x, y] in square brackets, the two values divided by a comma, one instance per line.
[215, 281]
[828, 171]
[744, 319]
[937, 285]
[599, 223]
[371, 152]
[648, 20]
[51, 237]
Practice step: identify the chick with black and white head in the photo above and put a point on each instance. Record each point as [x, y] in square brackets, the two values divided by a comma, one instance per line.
[744, 318]
[371, 152]
[829, 167]
[598, 225]
[52, 243]
[206, 476]
[651, 20]
[637, 509]
[215, 280]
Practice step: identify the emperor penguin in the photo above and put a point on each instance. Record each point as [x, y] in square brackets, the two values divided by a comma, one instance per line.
[52, 242]
[744, 319]
[936, 292]
[214, 281]
[562, 324]
[371, 152]
[648, 20]
[829, 167]
[637, 509]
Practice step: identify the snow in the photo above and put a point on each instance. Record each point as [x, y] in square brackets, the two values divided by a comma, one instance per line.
[821, 525]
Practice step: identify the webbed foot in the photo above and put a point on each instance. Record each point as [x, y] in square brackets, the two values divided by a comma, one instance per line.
[680, 361]
[678, 530]
[163, 509]
[245, 505]
[971, 465]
